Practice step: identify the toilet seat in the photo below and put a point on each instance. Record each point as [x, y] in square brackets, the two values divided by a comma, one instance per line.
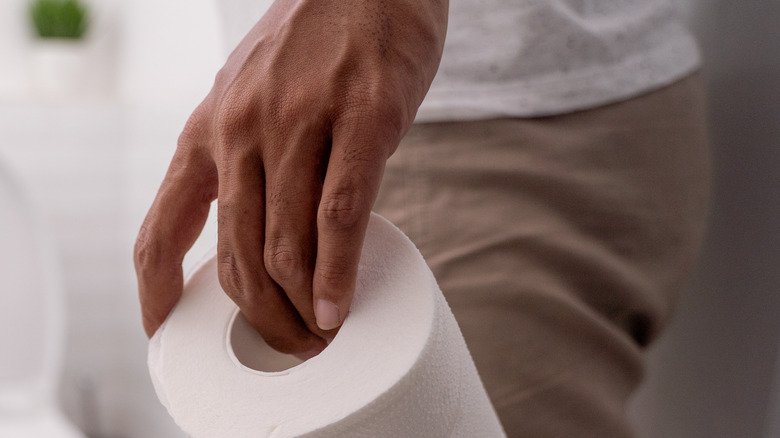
[32, 312]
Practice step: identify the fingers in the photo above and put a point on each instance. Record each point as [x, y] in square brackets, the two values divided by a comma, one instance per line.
[174, 221]
[294, 184]
[351, 184]
[240, 258]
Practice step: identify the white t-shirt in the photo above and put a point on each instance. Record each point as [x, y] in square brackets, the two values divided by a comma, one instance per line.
[522, 58]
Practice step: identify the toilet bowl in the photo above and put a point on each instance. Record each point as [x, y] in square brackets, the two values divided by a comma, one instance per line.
[31, 321]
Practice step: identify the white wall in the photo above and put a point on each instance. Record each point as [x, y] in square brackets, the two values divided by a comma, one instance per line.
[12, 47]
[171, 51]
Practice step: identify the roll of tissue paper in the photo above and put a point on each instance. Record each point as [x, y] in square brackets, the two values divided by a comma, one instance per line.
[397, 368]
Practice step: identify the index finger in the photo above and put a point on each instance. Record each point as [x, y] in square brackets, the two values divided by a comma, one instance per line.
[169, 230]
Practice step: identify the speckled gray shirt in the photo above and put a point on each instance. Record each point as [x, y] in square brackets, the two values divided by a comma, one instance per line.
[521, 58]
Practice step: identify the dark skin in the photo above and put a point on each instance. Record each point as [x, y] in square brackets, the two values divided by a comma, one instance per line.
[292, 140]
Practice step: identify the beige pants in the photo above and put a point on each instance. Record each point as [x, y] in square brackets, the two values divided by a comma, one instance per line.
[561, 244]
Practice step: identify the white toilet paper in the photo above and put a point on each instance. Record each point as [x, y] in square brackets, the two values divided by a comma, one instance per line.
[397, 368]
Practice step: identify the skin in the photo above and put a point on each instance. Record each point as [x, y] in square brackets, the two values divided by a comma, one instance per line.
[292, 139]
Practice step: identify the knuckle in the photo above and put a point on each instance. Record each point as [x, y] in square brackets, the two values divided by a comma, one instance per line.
[379, 110]
[227, 127]
[232, 122]
[148, 252]
[392, 116]
[340, 210]
[230, 277]
[286, 112]
[333, 273]
[282, 259]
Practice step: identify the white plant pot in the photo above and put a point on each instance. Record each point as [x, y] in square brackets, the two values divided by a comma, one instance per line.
[59, 68]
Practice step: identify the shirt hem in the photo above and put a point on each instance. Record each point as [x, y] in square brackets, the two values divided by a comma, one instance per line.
[559, 92]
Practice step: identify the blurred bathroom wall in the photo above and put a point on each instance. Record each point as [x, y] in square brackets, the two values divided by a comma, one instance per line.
[92, 159]
[716, 373]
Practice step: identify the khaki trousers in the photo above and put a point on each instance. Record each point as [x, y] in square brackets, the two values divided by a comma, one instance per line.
[561, 244]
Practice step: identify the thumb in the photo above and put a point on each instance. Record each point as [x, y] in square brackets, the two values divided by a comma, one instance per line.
[350, 188]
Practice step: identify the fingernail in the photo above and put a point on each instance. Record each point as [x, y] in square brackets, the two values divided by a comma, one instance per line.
[327, 315]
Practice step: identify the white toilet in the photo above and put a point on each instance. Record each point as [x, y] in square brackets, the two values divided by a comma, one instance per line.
[31, 322]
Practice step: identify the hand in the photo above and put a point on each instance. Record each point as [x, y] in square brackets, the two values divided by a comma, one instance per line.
[292, 139]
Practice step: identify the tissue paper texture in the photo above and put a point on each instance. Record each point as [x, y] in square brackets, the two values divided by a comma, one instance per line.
[398, 367]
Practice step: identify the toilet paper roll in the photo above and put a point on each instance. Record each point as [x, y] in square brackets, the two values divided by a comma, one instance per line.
[399, 366]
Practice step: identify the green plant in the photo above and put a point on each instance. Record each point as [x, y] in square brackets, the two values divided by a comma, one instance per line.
[59, 18]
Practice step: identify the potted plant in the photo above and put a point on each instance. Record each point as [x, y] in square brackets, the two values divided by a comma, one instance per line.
[59, 56]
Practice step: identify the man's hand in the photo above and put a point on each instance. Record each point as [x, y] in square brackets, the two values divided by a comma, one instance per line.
[292, 139]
